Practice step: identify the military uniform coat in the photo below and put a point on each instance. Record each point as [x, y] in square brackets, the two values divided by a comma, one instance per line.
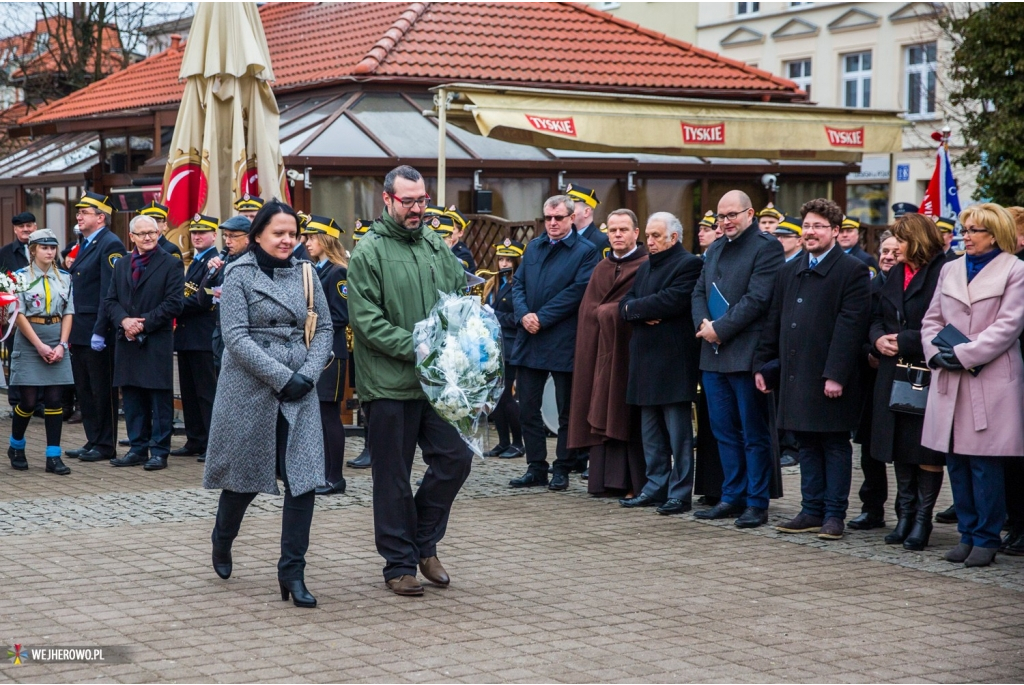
[815, 328]
[169, 247]
[194, 329]
[334, 281]
[598, 239]
[500, 300]
[550, 283]
[263, 321]
[91, 275]
[860, 253]
[465, 256]
[158, 298]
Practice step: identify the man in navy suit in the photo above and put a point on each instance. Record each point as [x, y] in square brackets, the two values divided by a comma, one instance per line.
[92, 335]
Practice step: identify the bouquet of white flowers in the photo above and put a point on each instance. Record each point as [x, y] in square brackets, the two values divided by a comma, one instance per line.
[458, 362]
[10, 285]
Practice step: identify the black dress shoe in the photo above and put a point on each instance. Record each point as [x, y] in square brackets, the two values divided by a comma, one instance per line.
[75, 454]
[559, 481]
[585, 475]
[496, 450]
[94, 455]
[530, 479]
[201, 458]
[130, 459]
[297, 589]
[124, 442]
[76, 417]
[55, 465]
[752, 517]
[866, 521]
[18, 460]
[722, 510]
[641, 500]
[186, 451]
[332, 488]
[513, 452]
[155, 463]
[360, 462]
[787, 460]
[947, 516]
[222, 560]
[708, 500]
[674, 506]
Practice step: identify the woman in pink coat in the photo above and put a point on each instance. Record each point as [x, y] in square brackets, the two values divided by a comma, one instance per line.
[975, 410]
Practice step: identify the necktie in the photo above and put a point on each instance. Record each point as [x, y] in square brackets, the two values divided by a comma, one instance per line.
[814, 262]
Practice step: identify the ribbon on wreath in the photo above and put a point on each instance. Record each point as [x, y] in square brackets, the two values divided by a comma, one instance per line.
[9, 308]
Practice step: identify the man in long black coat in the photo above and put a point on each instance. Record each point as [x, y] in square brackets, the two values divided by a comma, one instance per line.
[815, 328]
[663, 363]
[146, 293]
[14, 257]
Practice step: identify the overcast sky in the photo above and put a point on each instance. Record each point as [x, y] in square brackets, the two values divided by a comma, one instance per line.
[19, 17]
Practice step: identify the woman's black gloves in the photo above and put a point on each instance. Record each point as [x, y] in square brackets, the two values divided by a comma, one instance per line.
[296, 388]
[946, 359]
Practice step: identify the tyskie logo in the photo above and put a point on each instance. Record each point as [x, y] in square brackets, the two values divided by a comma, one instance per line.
[565, 127]
[704, 134]
[845, 137]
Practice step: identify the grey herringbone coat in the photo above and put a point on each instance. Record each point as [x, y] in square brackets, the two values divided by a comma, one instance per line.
[262, 323]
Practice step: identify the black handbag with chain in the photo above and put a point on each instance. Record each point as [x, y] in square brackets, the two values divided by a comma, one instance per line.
[909, 394]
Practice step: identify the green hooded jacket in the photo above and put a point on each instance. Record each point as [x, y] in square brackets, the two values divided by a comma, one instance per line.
[394, 279]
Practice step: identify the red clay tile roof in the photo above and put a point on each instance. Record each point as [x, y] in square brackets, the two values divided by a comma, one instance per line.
[556, 44]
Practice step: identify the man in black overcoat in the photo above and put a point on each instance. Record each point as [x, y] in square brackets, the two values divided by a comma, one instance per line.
[815, 330]
[146, 294]
[663, 363]
[92, 335]
[193, 341]
[13, 257]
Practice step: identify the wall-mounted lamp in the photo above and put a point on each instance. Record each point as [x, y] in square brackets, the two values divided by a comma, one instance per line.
[631, 181]
[561, 180]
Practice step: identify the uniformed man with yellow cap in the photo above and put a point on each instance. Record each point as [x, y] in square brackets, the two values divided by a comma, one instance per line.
[248, 205]
[360, 228]
[707, 232]
[768, 218]
[789, 232]
[849, 241]
[947, 228]
[506, 412]
[363, 461]
[586, 202]
[450, 226]
[92, 332]
[159, 212]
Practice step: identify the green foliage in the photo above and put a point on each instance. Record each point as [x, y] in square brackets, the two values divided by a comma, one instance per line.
[988, 88]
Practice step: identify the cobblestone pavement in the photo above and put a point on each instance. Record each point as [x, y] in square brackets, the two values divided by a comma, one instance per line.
[547, 587]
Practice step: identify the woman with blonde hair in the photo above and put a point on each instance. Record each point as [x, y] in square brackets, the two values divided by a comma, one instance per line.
[974, 413]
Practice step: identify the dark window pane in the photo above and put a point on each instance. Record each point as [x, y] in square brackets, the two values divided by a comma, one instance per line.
[865, 61]
[914, 54]
[866, 100]
[929, 52]
[807, 67]
[931, 92]
[851, 94]
[852, 63]
[914, 94]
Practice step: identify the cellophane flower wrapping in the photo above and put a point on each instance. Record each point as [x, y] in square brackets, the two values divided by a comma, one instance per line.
[459, 364]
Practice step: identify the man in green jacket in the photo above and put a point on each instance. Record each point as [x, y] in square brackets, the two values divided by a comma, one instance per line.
[394, 279]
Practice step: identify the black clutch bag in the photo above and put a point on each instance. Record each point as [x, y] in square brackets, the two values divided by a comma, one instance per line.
[909, 393]
[950, 337]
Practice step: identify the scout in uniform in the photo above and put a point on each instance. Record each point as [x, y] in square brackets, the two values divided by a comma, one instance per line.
[450, 226]
[586, 202]
[506, 412]
[363, 460]
[40, 364]
[768, 218]
[159, 212]
[323, 240]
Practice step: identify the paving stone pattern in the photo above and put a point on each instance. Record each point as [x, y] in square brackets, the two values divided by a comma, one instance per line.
[558, 587]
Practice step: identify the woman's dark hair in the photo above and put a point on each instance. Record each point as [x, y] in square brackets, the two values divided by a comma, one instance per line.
[924, 242]
[263, 217]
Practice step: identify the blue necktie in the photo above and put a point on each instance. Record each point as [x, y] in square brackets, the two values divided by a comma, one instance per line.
[814, 262]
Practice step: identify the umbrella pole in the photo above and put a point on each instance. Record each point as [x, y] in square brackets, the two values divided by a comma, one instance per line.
[441, 99]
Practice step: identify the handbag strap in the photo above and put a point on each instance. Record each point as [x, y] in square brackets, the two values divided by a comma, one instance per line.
[307, 284]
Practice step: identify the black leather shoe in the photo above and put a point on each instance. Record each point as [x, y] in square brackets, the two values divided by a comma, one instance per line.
[297, 589]
[186, 451]
[222, 560]
[530, 479]
[582, 463]
[585, 475]
[674, 506]
[55, 465]
[866, 521]
[130, 459]
[75, 454]
[787, 460]
[513, 452]
[722, 510]
[155, 463]
[360, 462]
[18, 460]
[752, 517]
[559, 481]
[641, 500]
[94, 455]
[496, 450]
[124, 442]
[332, 488]
[947, 516]
[708, 500]
[201, 458]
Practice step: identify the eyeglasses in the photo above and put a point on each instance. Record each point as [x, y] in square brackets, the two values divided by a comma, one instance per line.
[82, 212]
[731, 216]
[408, 202]
[146, 235]
[816, 227]
[976, 231]
[556, 217]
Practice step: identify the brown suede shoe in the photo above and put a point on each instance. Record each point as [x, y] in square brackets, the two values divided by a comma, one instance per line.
[801, 523]
[407, 586]
[433, 571]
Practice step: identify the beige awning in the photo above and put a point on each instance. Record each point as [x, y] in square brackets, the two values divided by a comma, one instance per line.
[597, 122]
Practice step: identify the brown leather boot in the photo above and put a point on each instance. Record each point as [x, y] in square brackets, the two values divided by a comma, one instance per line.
[407, 586]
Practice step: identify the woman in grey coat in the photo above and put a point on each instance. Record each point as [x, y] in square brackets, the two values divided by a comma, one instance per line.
[266, 422]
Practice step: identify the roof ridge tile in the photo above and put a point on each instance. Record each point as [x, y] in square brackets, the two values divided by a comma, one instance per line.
[390, 39]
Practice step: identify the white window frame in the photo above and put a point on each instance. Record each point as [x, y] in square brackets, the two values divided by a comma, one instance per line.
[923, 70]
[859, 77]
[804, 80]
[746, 9]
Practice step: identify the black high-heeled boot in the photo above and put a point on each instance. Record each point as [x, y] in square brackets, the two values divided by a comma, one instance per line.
[929, 483]
[906, 494]
[230, 511]
[297, 589]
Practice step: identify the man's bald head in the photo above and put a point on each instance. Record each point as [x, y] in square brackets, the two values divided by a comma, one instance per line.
[735, 213]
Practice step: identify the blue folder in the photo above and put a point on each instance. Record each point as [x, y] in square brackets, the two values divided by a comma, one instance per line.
[717, 304]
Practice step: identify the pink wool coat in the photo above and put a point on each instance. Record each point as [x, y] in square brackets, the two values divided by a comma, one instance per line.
[984, 415]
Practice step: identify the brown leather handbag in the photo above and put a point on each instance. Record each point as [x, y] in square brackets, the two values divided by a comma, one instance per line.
[311, 316]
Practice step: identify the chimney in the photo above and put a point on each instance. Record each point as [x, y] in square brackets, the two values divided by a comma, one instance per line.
[175, 41]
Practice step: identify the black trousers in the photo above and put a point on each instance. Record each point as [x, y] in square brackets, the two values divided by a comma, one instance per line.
[148, 417]
[197, 377]
[506, 412]
[334, 441]
[874, 491]
[1013, 480]
[530, 383]
[407, 528]
[296, 516]
[94, 379]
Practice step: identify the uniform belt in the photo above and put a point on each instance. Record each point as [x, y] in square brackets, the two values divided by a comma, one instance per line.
[43, 319]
